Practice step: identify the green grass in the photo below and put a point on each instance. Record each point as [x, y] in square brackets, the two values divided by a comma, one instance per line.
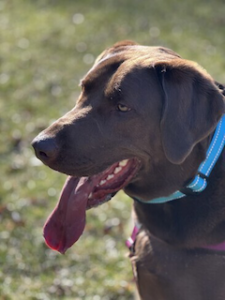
[45, 49]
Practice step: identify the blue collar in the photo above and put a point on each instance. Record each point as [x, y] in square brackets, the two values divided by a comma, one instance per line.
[199, 183]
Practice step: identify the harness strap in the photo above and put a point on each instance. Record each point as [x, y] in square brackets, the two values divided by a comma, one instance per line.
[130, 241]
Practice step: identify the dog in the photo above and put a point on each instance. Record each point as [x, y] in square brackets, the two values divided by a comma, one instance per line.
[144, 122]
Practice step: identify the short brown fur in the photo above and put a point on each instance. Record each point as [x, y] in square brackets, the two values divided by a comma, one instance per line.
[174, 108]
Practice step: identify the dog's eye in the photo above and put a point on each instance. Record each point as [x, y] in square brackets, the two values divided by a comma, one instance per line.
[122, 107]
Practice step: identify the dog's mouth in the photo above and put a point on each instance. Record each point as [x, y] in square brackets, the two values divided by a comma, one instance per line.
[66, 223]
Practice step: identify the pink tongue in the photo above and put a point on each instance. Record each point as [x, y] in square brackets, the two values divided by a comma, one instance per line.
[66, 223]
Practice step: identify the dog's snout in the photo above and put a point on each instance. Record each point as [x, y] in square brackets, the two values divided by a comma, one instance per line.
[46, 148]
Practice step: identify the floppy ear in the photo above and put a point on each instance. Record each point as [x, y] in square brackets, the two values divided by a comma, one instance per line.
[193, 106]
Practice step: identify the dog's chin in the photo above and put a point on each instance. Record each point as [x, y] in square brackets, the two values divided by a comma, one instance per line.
[66, 224]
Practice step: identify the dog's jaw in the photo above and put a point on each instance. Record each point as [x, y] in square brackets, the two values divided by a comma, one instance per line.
[66, 223]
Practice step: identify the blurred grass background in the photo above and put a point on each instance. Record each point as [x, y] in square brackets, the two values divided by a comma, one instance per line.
[45, 49]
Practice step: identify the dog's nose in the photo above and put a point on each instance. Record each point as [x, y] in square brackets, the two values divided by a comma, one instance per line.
[45, 148]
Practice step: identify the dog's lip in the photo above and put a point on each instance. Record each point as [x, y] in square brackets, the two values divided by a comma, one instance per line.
[125, 171]
[95, 171]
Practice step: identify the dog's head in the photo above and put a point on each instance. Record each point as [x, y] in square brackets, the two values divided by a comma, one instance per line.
[139, 107]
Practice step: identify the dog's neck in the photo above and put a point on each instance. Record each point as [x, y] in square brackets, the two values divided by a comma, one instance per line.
[175, 222]
[199, 183]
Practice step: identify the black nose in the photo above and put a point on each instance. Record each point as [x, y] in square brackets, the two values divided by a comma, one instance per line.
[46, 148]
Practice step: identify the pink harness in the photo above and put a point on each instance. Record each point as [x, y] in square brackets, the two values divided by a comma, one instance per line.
[131, 240]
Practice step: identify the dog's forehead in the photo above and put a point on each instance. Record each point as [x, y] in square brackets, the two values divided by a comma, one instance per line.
[110, 70]
[130, 56]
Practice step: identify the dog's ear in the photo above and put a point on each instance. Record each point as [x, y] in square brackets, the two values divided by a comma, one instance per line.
[193, 105]
[114, 49]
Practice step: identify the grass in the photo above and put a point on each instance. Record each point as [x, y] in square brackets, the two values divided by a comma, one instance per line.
[45, 49]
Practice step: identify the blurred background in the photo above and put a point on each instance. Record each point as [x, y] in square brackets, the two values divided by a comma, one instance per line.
[45, 49]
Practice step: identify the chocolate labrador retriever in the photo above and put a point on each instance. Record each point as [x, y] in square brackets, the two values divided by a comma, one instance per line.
[151, 123]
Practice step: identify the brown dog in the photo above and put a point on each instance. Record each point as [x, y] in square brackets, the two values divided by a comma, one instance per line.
[143, 123]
